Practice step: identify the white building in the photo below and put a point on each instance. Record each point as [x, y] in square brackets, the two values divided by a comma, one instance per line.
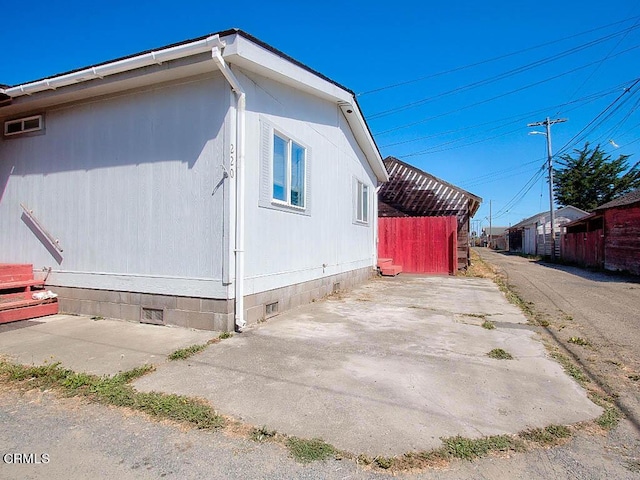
[532, 236]
[194, 184]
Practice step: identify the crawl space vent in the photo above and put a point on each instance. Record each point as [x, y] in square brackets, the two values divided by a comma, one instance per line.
[271, 309]
[152, 315]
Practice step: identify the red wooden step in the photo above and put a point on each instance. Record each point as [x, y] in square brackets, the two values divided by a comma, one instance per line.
[384, 262]
[24, 313]
[15, 272]
[391, 270]
[25, 284]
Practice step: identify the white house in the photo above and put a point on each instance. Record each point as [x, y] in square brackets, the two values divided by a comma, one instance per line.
[201, 184]
[532, 236]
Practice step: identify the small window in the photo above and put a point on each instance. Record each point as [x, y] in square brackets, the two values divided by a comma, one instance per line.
[288, 167]
[23, 125]
[362, 202]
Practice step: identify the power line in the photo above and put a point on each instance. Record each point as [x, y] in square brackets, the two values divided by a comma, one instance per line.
[511, 92]
[602, 61]
[571, 143]
[515, 118]
[494, 59]
[498, 177]
[495, 78]
[518, 197]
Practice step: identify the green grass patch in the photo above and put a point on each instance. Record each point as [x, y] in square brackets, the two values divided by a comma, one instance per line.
[570, 368]
[468, 448]
[500, 354]
[187, 352]
[114, 390]
[609, 418]
[488, 324]
[225, 335]
[611, 415]
[548, 436]
[579, 341]
[306, 451]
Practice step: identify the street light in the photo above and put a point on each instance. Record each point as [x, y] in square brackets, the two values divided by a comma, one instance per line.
[547, 123]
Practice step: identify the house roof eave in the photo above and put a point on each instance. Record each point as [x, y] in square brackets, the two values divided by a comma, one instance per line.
[239, 47]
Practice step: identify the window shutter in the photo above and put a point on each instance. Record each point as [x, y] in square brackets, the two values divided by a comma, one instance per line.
[266, 184]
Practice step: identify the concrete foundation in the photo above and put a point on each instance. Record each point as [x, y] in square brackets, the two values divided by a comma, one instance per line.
[202, 313]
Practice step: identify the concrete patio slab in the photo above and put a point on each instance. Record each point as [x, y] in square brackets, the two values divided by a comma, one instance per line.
[385, 369]
[101, 347]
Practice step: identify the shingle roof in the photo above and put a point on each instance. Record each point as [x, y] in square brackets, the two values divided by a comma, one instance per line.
[628, 199]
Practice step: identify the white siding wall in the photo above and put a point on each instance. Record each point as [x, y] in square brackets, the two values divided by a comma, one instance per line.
[125, 183]
[285, 248]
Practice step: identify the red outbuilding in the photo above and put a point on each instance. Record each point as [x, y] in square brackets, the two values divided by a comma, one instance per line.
[609, 238]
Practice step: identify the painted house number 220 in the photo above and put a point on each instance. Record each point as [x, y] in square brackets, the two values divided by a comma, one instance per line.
[232, 160]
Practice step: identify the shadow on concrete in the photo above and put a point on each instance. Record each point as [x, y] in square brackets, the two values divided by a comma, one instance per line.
[586, 273]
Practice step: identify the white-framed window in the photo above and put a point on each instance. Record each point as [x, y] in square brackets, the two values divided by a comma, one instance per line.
[23, 125]
[288, 167]
[285, 171]
[361, 192]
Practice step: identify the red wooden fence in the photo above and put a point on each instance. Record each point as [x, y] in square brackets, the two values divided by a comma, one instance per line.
[419, 244]
[584, 248]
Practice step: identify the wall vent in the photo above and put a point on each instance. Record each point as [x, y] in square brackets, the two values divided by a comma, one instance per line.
[154, 316]
[271, 309]
[23, 125]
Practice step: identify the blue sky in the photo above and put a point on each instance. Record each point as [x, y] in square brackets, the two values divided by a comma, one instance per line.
[469, 76]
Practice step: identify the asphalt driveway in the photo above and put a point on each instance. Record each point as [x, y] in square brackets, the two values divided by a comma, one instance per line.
[390, 367]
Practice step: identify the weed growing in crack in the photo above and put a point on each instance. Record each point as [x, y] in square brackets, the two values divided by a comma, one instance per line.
[488, 324]
[570, 368]
[262, 434]
[184, 353]
[500, 354]
[579, 341]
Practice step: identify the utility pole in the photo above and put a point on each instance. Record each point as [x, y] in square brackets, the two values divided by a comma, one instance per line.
[489, 241]
[547, 123]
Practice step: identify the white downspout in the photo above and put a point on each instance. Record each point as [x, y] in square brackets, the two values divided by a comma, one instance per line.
[240, 146]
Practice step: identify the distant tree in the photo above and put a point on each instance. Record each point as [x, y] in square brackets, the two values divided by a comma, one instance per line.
[590, 178]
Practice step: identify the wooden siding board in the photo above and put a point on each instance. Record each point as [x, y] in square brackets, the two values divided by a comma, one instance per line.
[285, 247]
[622, 239]
[420, 244]
[125, 183]
[584, 248]
[411, 192]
